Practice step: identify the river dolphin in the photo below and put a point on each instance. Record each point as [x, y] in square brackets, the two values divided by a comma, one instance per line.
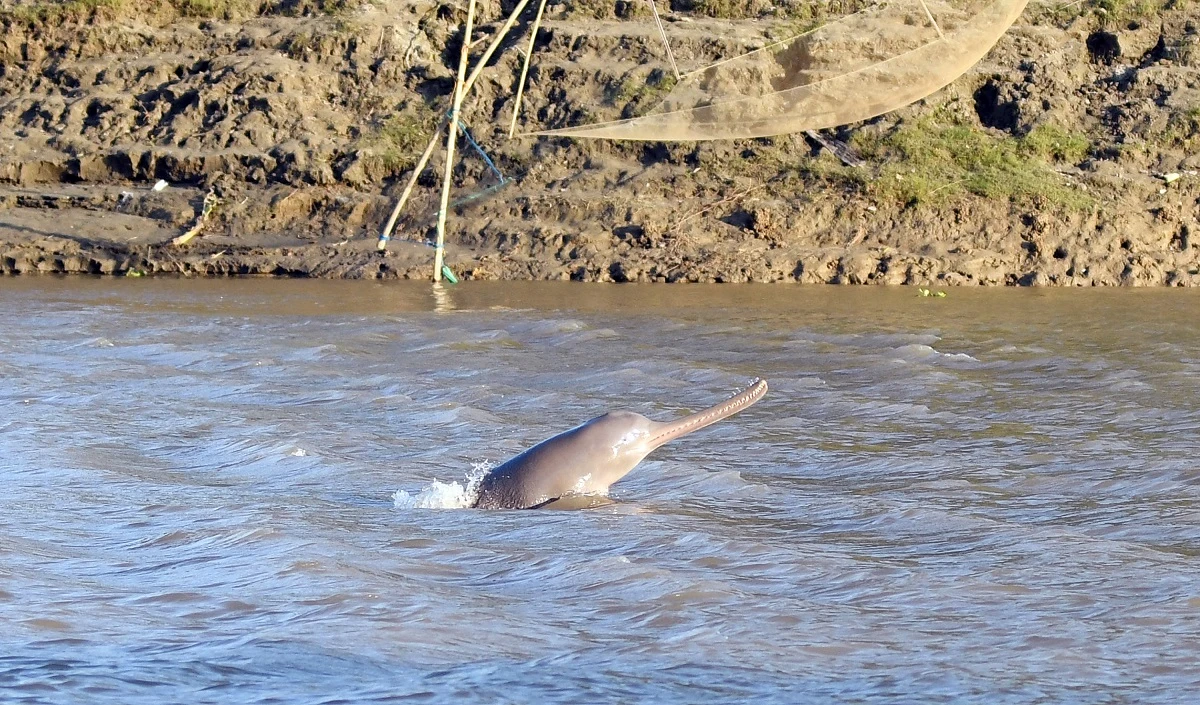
[589, 458]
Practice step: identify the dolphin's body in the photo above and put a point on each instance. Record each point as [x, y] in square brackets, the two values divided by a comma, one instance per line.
[589, 458]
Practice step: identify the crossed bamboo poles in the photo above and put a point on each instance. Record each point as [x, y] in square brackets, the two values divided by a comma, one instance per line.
[462, 86]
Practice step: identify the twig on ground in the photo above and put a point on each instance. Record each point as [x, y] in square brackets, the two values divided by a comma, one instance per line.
[721, 202]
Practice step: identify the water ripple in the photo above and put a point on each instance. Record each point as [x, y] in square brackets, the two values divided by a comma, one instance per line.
[231, 494]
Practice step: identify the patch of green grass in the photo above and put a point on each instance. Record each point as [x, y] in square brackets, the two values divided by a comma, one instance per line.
[802, 16]
[727, 9]
[1109, 14]
[1113, 13]
[298, 44]
[297, 8]
[1183, 129]
[216, 9]
[397, 143]
[598, 9]
[1181, 132]
[39, 13]
[42, 13]
[813, 12]
[935, 158]
[637, 92]
[609, 8]
[1051, 142]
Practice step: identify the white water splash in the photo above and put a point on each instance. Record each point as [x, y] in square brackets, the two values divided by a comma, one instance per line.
[444, 495]
[918, 351]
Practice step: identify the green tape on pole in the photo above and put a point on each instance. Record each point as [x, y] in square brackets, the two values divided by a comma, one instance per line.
[449, 275]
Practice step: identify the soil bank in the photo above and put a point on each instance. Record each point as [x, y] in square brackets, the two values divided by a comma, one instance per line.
[1067, 157]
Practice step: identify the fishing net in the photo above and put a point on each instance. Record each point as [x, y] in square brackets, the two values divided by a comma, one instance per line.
[862, 65]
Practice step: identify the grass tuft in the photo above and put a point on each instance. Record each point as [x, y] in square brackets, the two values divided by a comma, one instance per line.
[1053, 143]
[397, 143]
[1183, 130]
[638, 91]
[1115, 14]
[935, 158]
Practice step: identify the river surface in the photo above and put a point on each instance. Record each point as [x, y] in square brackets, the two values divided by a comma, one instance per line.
[219, 492]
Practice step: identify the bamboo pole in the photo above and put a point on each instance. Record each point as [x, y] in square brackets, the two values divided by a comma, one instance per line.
[663, 33]
[386, 233]
[408, 188]
[537, 23]
[932, 21]
[452, 138]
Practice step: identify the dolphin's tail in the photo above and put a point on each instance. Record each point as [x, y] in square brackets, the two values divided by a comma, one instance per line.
[666, 432]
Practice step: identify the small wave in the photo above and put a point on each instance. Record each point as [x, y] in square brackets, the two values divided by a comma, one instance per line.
[313, 354]
[444, 495]
[725, 482]
[918, 351]
[862, 341]
[459, 413]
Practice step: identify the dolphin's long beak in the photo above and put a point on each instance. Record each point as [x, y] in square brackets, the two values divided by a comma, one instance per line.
[669, 431]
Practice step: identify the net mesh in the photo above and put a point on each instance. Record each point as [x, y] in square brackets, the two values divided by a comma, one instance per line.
[863, 65]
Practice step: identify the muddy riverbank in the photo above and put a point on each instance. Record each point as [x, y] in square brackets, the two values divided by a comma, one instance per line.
[1067, 157]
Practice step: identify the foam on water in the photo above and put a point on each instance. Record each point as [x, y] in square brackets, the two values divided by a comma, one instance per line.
[444, 495]
[920, 351]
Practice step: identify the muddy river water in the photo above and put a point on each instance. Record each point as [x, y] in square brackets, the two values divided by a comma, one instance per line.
[250, 492]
